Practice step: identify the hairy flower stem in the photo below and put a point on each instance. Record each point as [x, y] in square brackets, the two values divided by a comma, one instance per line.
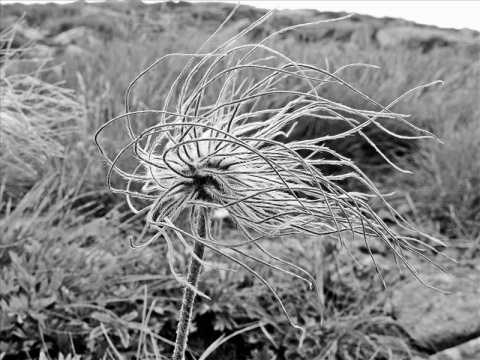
[189, 298]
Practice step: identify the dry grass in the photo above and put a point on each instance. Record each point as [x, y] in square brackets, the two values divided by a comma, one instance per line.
[35, 117]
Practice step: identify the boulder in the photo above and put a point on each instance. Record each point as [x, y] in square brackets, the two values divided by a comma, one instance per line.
[24, 34]
[74, 50]
[437, 320]
[31, 33]
[80, 36]
[467, 351]
[40, 51]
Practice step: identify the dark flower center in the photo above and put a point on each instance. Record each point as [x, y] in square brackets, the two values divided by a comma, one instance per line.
[201, 181]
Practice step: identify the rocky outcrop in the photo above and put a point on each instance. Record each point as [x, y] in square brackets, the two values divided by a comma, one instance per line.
[421, 37]
[437, 320]
[467, 351]
[362, 31]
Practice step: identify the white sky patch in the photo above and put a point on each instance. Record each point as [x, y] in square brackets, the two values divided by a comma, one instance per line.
[446, 14]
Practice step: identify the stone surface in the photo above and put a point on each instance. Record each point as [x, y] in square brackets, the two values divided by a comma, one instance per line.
[80, 36]
[418, 37]
[40, 51]
[438, 321]
[467, 351]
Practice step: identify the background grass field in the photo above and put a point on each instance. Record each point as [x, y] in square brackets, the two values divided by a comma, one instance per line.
[69, 282]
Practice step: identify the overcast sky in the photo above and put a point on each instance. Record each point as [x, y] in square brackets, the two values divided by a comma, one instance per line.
[449, 14]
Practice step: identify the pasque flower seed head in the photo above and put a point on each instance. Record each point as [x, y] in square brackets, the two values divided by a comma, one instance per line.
[221, 141]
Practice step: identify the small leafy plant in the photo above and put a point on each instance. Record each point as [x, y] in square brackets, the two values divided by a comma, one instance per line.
[219, 143]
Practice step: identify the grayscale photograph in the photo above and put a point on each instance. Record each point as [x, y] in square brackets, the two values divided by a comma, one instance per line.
[239, 180]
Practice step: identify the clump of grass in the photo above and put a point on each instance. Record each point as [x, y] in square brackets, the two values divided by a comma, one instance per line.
[35, 118]
[215, 146]
[446, 184]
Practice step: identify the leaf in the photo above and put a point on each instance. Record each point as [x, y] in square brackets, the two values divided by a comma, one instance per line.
[36, 315]
[130, 316]
[24, 278]
[159, 310]
[124, 337]
[103, 318]
[16, 305]
[264, 354]
[44, 302]
[43, 356]
[8, 282]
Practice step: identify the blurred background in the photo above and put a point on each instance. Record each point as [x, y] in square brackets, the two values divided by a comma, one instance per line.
[70, 285]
